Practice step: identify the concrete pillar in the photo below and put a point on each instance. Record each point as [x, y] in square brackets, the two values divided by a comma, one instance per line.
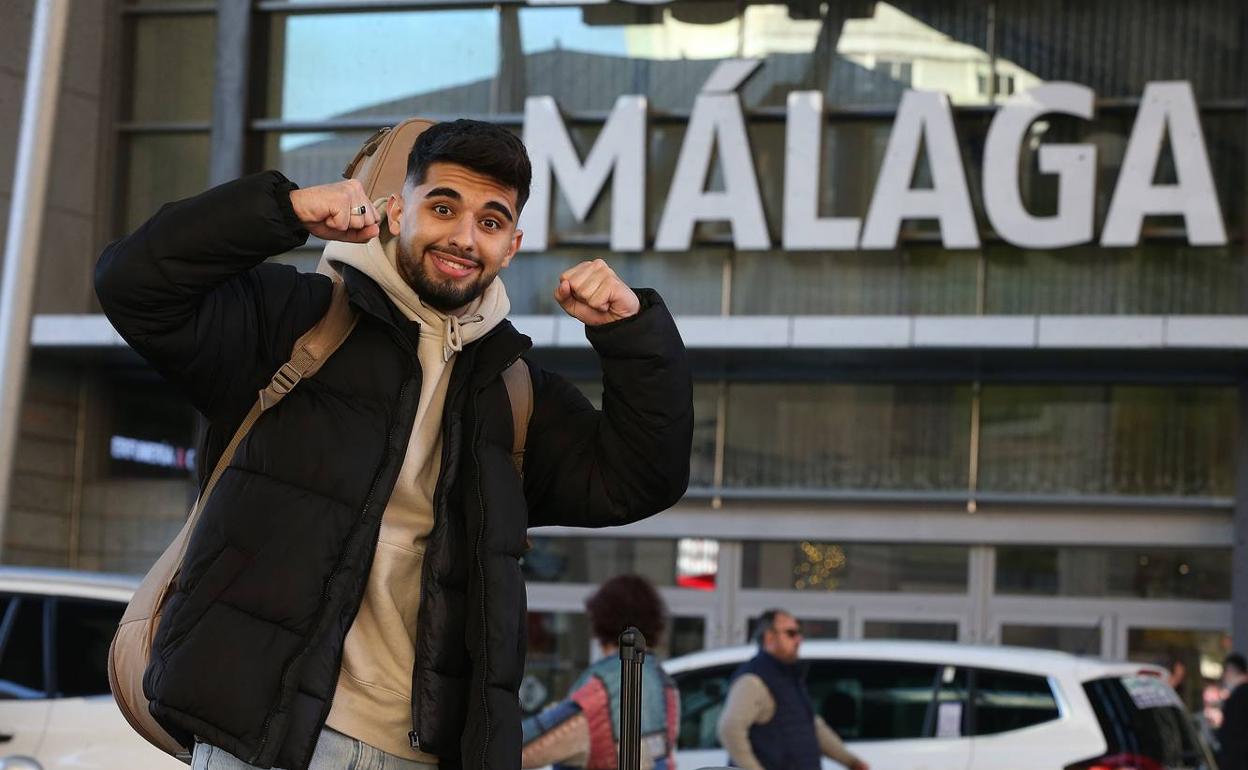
[229, 93]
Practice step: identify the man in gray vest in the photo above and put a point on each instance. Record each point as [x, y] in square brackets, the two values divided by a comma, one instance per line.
[768, 722]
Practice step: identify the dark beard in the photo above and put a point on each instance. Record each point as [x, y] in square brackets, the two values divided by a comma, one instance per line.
[437, 293]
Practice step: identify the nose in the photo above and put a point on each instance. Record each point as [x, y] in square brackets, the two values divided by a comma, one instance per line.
[463, 237]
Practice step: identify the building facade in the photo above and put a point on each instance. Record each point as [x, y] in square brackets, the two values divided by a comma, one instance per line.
[963, 283]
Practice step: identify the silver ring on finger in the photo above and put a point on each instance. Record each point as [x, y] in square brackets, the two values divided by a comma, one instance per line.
[359, 210]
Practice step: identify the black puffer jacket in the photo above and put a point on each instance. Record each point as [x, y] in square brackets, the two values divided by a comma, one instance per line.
[248, 651]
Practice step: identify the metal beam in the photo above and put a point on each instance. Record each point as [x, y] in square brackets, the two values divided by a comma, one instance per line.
[1239, 533]
[229, 92]
[26, 212]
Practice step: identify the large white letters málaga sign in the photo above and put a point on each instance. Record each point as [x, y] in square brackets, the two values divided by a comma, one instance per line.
[924, 121]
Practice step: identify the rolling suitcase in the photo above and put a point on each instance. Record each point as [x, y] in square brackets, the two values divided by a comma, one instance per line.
[632, 658]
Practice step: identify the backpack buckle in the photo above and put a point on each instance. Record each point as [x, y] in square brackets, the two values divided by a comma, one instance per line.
[285, 379]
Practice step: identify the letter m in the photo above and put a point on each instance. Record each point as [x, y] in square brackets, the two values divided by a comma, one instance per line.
[619, 153]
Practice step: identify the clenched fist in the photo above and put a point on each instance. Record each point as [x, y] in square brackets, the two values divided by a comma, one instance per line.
[331, 212]
[593, 294]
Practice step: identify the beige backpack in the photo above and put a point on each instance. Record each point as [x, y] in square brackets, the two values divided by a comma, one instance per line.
[381, 166]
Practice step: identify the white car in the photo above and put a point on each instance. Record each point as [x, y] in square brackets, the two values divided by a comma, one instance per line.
[55, 705]
[943, 706]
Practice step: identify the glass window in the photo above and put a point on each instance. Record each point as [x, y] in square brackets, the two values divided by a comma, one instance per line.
[1138, 718]
[84, 631]
[951, 718]
[1115, 47]
[558, 651]
[161, 168]
[1077, 640]
[172, 68]
[1108, 439]
[380, 64]
[682, 636]
[812, 628]
[22, 672]
[918, 631]
[702, 696]
[593, 560]
[1145, 573]
[312, 158]
[860, 700]
[1193, 658]
[847, 436]
[913, 280]
[1007, 701]
[1151, 279]
[691, 283]
[872, 700]
[814, 566]
[666, 53]
[150, 433]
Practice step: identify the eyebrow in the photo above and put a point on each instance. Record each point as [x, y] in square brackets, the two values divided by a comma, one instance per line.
[447, 192]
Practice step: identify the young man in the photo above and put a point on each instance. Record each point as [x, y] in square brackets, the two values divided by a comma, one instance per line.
[352, 594]
[1233, 733]
[768, 722]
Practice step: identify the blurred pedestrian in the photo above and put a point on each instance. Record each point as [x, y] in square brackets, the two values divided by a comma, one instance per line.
[1177, 669]
[1233, 734]
[768, 722]
[582, 731]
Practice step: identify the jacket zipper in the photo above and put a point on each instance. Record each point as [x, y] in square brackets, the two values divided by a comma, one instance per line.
[368, 501]
[485, 646]
[439, 494]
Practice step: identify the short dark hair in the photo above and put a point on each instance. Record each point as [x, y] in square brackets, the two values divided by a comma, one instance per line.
[627, 600]
[1237, 662]
[483, 147]
[767, 622]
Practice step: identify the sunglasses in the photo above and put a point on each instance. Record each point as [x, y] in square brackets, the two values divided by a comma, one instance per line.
[792, 633]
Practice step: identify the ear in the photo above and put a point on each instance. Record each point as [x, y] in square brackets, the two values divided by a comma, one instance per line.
[515, 246]
[394, 213]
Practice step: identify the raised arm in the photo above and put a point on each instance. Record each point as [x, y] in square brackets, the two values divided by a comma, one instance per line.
[188, 290]
[591, 468]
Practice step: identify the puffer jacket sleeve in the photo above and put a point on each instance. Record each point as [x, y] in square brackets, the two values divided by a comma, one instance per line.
[188, 292]
[589, 468]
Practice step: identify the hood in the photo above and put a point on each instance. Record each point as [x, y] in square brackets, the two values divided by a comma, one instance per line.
[378, 260]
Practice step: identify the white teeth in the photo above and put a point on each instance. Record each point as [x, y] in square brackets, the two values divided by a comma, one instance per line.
[453, 265]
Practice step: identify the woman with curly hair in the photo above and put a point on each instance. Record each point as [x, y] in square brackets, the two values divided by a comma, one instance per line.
[582, 731]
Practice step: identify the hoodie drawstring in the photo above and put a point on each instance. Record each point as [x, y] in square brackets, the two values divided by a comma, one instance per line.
[452, 337]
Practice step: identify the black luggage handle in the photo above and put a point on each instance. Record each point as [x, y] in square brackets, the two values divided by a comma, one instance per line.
[632, 658]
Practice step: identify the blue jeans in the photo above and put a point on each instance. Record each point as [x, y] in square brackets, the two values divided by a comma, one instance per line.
[334, 751]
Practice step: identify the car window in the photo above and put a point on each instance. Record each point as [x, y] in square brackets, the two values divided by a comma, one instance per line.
[872, 700]
[1007, 701]
[84, 630]
[21, 648]
[702, 696]
[952, 716]
[1141, 716]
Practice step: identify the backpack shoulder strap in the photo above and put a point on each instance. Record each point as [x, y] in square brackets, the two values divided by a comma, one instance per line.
[310, 351]
[520, 392]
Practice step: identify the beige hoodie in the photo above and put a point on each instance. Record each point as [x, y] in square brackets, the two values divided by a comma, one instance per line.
[373, 699]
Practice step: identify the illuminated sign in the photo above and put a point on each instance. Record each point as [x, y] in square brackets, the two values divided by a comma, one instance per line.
[154, 453]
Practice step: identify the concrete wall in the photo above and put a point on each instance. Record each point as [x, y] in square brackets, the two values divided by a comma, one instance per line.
[42, 498]
[66, 509]
[76, 216]
[54, 515]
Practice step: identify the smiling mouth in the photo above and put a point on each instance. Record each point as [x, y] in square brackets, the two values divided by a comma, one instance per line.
[455, 267]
